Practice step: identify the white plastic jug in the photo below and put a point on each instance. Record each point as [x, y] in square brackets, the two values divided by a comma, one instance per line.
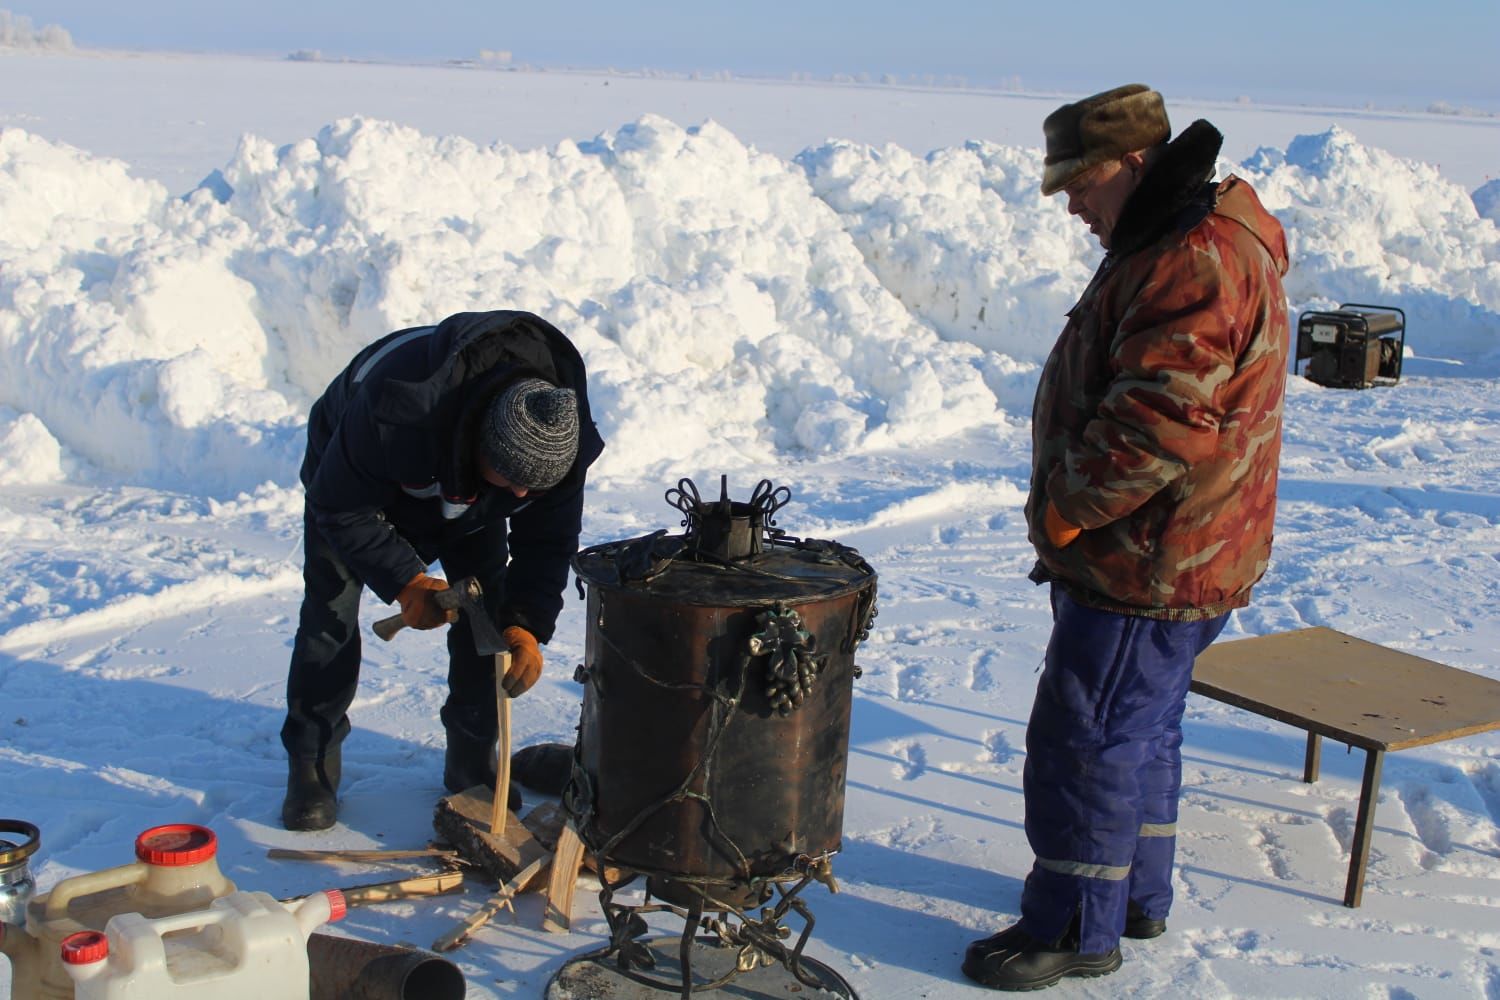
[244, 946]
[176, 871]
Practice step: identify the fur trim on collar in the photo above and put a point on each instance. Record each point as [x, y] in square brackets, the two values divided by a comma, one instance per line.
[1176, 193]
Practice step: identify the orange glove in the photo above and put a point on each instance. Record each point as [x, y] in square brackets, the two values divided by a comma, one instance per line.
[525, 661]
[418, 609]
[1059, 532]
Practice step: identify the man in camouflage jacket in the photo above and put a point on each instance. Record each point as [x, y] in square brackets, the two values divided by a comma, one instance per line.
[1156, 439]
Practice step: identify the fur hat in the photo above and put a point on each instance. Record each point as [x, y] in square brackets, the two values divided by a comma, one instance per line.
[529, 434]
[1101, 128]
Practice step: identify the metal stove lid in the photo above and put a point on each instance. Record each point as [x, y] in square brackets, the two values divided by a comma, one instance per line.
[665, 566]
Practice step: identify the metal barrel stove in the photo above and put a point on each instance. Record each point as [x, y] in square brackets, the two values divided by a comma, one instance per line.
[714, 737]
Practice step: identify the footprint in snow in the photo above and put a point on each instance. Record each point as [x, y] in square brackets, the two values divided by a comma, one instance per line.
[981, 677]
[913, 760]
[997, 749]
[913, 684]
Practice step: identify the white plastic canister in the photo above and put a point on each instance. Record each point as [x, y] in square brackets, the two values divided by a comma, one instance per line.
[245, 946]
[176, 870]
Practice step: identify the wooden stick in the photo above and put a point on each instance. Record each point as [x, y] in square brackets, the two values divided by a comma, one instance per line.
[420, 887]
[292, 854]
[501, 807]
[501, 900]
[409, 888]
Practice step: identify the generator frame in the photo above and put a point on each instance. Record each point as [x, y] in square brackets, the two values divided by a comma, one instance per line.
[1352, 336]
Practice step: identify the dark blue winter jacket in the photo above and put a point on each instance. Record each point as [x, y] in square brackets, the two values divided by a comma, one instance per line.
[390, 473]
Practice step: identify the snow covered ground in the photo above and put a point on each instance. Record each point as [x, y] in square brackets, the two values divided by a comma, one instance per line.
[854, 317]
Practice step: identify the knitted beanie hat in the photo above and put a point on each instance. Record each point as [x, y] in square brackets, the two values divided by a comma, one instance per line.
[1100, 128]
[529, 434]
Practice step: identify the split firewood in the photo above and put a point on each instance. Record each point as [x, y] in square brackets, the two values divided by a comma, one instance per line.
[546, 823]
[502, 900]
[558, 917]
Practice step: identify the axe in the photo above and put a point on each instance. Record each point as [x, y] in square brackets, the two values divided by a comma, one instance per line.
[464, 596]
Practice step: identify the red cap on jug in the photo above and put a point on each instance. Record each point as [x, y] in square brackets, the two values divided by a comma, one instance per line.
[85, 947]
[176, 844]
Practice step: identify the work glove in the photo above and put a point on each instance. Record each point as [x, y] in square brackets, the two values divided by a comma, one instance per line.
[418, 609]
[1059, 532]
[525, 661]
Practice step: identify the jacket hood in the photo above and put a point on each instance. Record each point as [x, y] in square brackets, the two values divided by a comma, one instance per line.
[1238, 202]
[471, 357]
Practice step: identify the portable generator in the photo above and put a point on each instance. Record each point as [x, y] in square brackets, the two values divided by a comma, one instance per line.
[1355, 346]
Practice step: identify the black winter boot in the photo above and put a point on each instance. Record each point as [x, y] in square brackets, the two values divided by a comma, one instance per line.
[470, 761]
[312, 785]
[1013, 960]
[543, 767]
[1140, 926]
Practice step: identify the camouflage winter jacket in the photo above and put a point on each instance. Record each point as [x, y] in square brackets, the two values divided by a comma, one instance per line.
[1157, 423]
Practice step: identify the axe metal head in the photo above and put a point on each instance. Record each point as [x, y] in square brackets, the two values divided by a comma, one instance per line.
[467, 596]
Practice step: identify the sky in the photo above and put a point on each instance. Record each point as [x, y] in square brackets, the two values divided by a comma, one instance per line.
[1383, 51]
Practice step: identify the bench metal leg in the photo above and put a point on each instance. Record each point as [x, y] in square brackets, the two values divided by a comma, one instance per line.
[1314, 758]
[1364, 825]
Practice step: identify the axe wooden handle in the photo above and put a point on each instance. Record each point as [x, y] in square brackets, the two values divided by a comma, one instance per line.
[500, 807]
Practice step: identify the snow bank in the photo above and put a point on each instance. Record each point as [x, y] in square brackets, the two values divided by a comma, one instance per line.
[853, 299]
[1487, 201]
[963, 237]
[1364, 226]
[28, 453]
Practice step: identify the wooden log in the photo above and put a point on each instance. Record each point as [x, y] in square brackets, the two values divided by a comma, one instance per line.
[463, 820]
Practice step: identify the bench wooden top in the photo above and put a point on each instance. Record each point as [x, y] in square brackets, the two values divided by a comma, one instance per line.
[1354, 691]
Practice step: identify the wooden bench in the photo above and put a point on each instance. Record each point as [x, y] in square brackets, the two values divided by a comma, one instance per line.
[1359, 693]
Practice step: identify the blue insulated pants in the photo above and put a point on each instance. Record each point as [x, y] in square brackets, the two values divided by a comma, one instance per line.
[1103, 769]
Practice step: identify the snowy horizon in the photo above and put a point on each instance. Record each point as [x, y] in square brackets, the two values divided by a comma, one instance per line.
[183, 268]
[1441, 59]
